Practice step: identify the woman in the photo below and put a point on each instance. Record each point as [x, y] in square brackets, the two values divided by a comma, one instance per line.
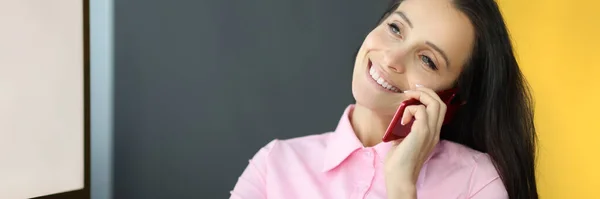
[418, 47]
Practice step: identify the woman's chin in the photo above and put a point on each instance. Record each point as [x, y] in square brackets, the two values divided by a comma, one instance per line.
[375, 103]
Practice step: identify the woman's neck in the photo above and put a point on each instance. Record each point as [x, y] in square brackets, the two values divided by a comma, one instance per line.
[368, 125]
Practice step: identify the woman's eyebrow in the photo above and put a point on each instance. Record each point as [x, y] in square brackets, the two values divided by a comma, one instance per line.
[401, 14]
[436, 48]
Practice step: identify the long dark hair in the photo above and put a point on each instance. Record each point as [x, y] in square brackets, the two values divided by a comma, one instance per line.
[498, 116]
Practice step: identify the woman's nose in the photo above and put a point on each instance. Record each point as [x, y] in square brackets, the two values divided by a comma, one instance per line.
[394, 59]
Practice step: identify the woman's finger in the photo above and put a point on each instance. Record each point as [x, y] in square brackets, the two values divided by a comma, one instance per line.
[407, 116]
[441, 115]
[419, 135]
[442, 109]
[419, 112]
[432, 105]
[431, 92]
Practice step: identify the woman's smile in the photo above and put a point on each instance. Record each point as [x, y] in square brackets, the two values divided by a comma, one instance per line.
[379, 79]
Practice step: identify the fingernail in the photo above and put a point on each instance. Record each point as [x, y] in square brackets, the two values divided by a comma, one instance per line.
[418, 85]
[406, 91]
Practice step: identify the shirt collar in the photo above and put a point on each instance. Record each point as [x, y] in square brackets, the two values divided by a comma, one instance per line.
[343, 142]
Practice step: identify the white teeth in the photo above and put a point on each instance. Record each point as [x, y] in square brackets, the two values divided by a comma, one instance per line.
[380, 80]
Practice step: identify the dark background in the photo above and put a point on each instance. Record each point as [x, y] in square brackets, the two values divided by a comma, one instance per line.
[200, 86]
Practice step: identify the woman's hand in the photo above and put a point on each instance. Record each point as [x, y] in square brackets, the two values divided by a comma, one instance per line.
[404, 161]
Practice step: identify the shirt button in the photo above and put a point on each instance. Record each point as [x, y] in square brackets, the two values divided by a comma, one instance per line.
[369, 153]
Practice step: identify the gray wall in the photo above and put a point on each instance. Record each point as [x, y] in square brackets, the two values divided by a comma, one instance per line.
[200, 86]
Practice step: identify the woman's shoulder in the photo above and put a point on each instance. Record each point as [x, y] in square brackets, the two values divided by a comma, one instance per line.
[459, 163]
[457, 150]
[300, 147]
[452, 153]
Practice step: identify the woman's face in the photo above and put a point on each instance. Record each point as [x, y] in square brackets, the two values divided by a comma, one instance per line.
[424, 42]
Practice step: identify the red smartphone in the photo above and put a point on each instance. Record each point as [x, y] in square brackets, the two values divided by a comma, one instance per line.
[396, 130]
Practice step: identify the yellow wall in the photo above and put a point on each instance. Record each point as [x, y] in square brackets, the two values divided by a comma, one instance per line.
[558, 47]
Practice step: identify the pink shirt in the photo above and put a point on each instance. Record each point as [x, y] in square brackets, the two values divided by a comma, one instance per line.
[336, 165]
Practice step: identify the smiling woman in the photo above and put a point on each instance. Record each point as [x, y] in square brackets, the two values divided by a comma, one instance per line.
[418, 48]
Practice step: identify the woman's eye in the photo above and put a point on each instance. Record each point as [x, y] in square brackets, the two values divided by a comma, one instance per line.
[428, 62]
[394, 28]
